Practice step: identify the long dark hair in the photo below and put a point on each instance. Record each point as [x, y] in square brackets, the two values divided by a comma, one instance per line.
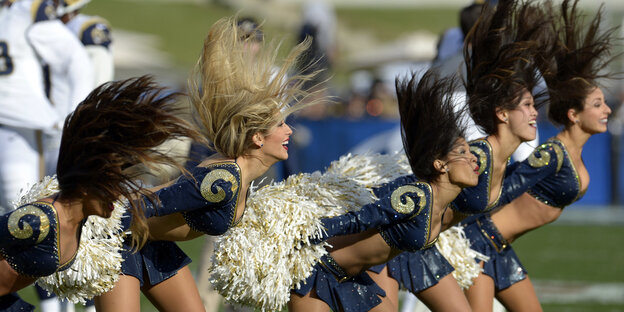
[583, 50]
[502, 54]
[430, 124]
[117, 126]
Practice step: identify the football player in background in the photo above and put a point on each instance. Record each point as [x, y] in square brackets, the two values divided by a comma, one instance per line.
[37, 52]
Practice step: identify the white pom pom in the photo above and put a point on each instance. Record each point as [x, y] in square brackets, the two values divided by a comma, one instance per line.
[97, 265]
[270, 249]
[455, 247]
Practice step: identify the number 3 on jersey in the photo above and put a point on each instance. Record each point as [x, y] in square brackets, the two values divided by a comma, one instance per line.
[6, 64]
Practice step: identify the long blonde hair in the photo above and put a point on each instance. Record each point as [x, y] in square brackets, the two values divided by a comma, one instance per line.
[237, 94]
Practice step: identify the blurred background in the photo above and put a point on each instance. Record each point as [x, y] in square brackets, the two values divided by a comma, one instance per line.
[577, 263]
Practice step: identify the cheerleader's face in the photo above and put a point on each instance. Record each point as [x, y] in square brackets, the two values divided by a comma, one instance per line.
[275, 143]
[461, 165]
[522, 119]
[593, 118]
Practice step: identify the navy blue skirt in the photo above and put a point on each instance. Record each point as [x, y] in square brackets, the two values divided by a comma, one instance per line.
[504, 267]
[417, 271]
[13, 303]
[349, 294]
[160, 259]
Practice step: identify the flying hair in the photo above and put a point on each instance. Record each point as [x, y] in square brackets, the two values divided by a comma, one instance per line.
[502, 53]
[582, 53]
[117, 126]
[236, 93]
[430, 125]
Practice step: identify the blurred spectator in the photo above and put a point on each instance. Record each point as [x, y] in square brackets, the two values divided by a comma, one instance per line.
[450, 58]
[355, 104]
[318, 24]
[449, 43]
[369, 97]
[251, 32]
[382, 102]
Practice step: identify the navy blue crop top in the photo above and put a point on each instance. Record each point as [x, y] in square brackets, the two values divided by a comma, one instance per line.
[406, 193]
[476, 199]
[29, 240]
[207, 199]
[548, 174]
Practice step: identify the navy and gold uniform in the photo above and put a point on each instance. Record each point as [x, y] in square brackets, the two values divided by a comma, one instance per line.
[417, 270]
[420, 269]
[476, 199]
[30, 240]
[220, 192]
[549, 175]
[207, 199]
[412, 202]
[411, 197]
[395, 205]
[504, 266]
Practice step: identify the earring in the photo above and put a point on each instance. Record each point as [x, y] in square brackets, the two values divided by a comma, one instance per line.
[444, 168]
[505, 120]
[261, 144]
[577, 121]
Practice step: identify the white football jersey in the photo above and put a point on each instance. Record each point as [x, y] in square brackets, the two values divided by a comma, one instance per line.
[70, 70]
[23, 101]
[31, 37]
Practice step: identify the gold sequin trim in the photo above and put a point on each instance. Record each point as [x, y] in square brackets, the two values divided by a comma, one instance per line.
[544, 156]
[484, 165]
[559, 153]
[27, 231]
[539, 161]
[482, 157]
[404, 204]
[212, 177]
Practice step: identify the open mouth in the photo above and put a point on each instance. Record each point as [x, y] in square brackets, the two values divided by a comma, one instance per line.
[603, 121]
[533, 123]
[111, 207]
[285, 144]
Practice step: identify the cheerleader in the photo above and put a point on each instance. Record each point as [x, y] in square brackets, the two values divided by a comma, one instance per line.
[500, 53]
[242, 102]
[442, 165]
[117, 126]
[554, 175]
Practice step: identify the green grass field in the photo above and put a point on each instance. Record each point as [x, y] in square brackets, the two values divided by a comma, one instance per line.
[589, 254]
[574, 253]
